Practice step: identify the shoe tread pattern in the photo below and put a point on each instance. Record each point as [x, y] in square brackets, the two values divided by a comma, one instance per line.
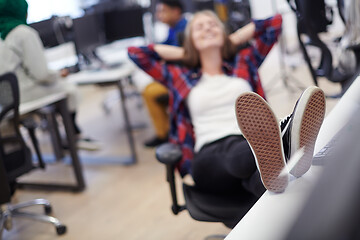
[310, 125]
[259, 126]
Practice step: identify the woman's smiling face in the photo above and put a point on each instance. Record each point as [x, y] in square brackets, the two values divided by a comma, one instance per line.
[207, 32]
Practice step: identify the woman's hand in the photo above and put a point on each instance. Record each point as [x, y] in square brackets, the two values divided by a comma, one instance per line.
[64, 72]
[169, 53]
[243, 35]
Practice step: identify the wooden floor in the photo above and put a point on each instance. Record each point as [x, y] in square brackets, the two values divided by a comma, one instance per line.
[133, 202]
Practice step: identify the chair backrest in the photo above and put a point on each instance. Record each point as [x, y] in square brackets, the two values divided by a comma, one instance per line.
[312, 13]
[14, 153]
[312, 20]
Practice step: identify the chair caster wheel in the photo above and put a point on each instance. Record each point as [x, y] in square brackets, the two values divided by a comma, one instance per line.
[48, 210]
[8, 223]
[61, 229]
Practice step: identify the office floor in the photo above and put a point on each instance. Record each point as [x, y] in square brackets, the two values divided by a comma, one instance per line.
[133, 202]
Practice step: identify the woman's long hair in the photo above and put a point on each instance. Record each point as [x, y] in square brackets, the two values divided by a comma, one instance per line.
[191, 54]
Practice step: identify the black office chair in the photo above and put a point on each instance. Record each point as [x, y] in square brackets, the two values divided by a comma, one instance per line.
[16, 159]
[311, 20]
[202, 205]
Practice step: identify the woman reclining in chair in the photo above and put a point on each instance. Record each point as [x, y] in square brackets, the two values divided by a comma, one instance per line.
[204, 80]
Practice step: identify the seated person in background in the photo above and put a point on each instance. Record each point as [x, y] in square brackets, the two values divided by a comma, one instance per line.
[202, 93]
[22, 52]
[154, 94]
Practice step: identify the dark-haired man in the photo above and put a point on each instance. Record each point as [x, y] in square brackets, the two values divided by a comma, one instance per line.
[169, 12]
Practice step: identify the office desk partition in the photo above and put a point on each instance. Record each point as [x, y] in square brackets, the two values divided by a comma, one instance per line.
[36, 98]
[273, 215]
[116, 75]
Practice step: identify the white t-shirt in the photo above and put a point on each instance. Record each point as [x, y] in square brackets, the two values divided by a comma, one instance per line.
[212, 107]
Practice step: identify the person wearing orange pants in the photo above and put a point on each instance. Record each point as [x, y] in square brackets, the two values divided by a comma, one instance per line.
[169, 12]
[157, 112]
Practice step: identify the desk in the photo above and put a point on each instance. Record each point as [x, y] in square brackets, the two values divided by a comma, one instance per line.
[116, 75]
[273, 214]
[38, 97]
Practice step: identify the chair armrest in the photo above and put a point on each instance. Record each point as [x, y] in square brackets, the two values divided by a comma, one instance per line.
[168, 153]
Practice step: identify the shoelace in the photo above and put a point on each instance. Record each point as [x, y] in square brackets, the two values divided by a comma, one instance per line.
[284, 122]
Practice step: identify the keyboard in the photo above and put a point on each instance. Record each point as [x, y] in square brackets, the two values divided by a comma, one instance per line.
[113, 65]
[327, 151]
[324, 153]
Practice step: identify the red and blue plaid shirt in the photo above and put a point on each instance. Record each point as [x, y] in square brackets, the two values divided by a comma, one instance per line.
[180, 80]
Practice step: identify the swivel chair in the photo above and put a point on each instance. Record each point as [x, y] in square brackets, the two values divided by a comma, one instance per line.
[202, 205]
[16, 159]
[312, 20]
[312, 24]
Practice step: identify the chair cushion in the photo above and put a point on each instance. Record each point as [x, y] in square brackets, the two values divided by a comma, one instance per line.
[209, 207]
[18, 163]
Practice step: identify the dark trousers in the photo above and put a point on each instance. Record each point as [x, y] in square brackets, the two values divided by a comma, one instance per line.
[227, 166]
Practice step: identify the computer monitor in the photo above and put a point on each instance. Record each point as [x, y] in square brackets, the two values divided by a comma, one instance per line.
[87, 34]
[123, 23]
[46, 31]
[204, 5]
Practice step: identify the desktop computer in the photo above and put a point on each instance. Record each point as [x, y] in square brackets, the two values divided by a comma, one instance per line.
[88, 35]
[123, 23]
[46, 31]
[54, 31]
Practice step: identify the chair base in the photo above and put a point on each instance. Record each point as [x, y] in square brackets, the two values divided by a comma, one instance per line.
[215, 237]
[14, 210]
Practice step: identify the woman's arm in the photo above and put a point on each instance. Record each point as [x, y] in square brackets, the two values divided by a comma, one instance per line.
[243, 35]
[169, 53]
[34, 59]
[266, 34]
[151, 59]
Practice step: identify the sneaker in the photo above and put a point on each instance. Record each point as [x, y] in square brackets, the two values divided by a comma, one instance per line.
[285, 126]
[88, 144]
[260, 127]
[156, 141]
[300, 129]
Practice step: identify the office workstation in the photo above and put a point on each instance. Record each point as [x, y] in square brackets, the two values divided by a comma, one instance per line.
[98, 60]
[124, 193]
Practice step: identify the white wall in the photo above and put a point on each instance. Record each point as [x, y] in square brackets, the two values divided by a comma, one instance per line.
[44, 9]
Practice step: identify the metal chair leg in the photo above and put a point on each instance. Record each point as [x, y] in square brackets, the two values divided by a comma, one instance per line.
[39, 201]
[15, 211]
[36, 147]
[54, 134]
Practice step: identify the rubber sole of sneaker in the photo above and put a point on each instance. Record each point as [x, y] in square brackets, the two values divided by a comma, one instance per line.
[307, 120]
[260, 127]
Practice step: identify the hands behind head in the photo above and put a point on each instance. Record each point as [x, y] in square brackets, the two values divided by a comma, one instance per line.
[64, 72]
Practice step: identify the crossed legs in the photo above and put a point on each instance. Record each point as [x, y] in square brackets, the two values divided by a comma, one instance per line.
[260, 127]
[226, 166]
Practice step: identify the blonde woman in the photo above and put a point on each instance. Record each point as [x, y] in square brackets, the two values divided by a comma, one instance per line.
[204, 80]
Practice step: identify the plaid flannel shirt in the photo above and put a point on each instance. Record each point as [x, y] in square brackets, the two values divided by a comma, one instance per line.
[180, 80]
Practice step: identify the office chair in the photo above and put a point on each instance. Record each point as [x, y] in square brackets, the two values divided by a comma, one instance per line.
[16, 159]
[202, 205]
[312, 20]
